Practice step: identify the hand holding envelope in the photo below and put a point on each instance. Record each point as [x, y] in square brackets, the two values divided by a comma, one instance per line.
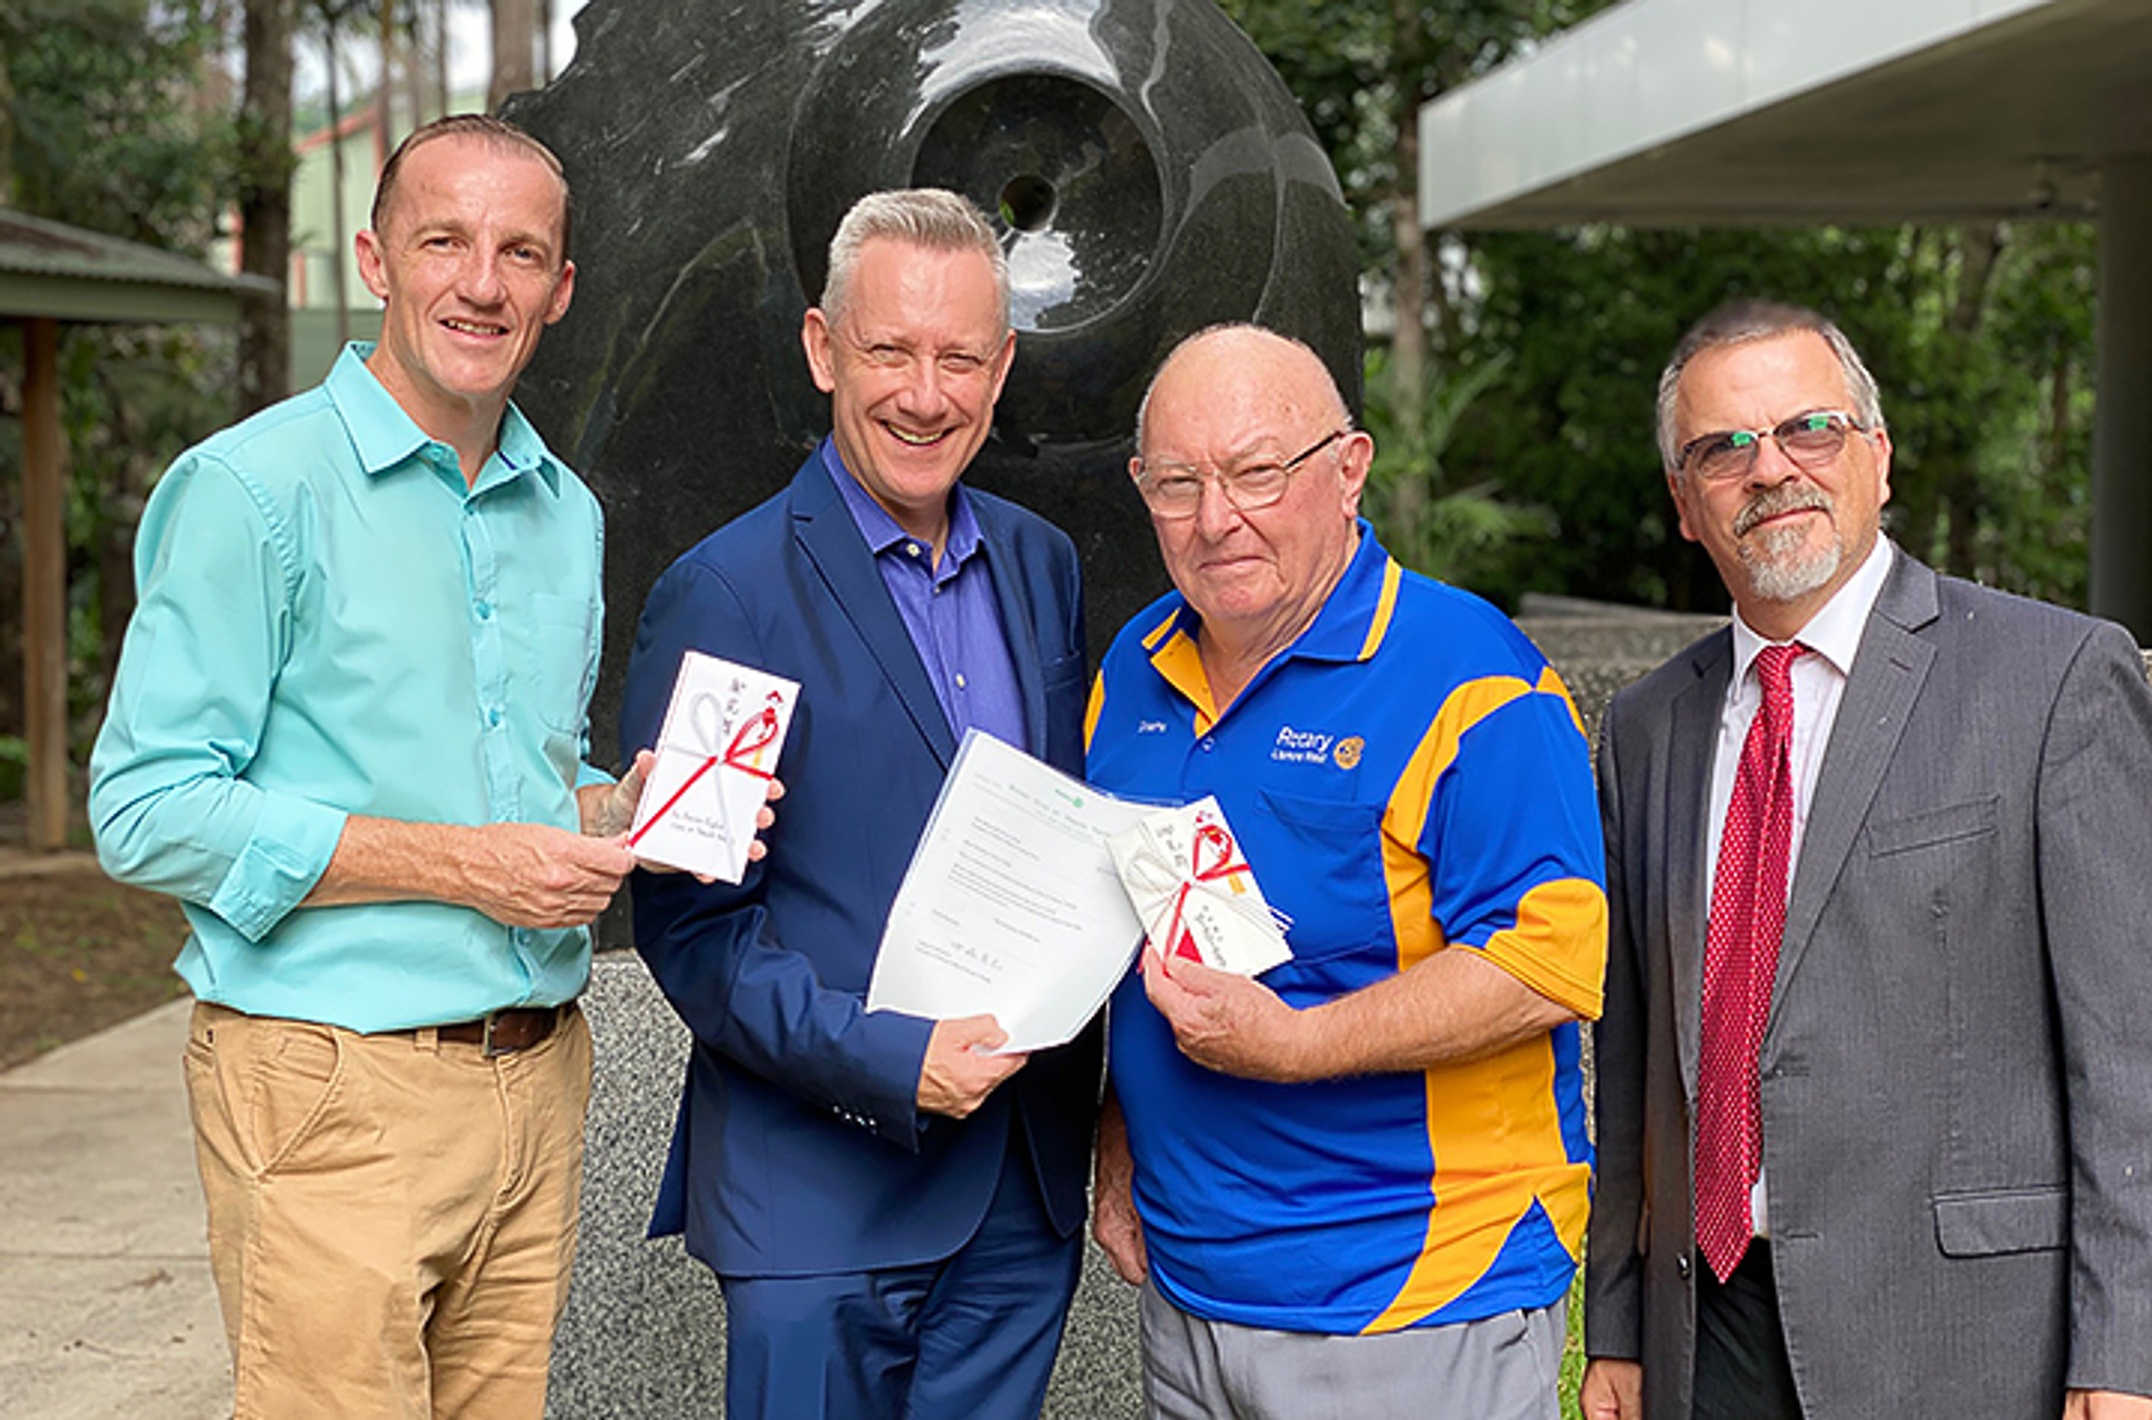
[715, 757]
[1194, 892]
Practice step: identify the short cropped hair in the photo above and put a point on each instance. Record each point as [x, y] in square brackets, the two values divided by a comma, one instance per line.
[1738, 323]
[497, 132]
[922, 217]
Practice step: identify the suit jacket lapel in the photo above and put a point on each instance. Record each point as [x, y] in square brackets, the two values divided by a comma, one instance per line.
[1012, 594]
[1694, 731]
[1888, 672]
[832, 542]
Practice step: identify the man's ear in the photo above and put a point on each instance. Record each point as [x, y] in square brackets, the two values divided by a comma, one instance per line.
[1354, 461]
[821, 358]
[563, 292]
[1004, 362]
[373, 263]
[1679, 490]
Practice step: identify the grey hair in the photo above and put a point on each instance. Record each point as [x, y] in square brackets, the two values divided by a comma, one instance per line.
[919, 216]
[1143, 410]
[1738, 323]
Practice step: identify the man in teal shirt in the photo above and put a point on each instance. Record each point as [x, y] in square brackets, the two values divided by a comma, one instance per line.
[348, 733]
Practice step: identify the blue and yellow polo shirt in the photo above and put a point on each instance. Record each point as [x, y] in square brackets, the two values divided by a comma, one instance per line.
[1408, 777]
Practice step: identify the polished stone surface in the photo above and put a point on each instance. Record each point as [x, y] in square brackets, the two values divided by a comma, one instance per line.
[1149, 172]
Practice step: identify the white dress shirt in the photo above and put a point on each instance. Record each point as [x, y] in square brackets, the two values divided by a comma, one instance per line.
[1833, 637]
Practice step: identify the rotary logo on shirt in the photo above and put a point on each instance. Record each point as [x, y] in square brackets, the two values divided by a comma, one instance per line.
[1316, 747]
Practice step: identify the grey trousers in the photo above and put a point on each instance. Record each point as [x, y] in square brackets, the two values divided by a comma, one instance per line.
[1505, 1367]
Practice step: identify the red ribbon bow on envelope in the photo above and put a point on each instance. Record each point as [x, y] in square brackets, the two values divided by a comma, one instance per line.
[748, 741]
[1224, 863]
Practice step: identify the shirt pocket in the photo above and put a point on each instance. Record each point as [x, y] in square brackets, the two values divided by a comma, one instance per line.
[1322, 865]
[553, 660]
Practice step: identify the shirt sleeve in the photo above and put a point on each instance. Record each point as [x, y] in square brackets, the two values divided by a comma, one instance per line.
[1512, 840]
[170, 803]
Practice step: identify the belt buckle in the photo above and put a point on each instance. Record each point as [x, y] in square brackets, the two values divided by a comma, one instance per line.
[486, 1047]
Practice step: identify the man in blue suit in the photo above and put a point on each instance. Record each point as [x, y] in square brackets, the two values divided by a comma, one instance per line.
[892, 1212]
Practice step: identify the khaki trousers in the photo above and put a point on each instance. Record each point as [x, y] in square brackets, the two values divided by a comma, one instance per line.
[391, 1217]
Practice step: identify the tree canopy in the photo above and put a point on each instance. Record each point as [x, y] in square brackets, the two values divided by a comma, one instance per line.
[1521, 456]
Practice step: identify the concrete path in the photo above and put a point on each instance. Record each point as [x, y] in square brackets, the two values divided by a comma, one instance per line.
[106, 1303]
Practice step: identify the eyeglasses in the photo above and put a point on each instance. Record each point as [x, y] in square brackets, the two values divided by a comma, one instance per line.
[1810, 440]
[1175, 490]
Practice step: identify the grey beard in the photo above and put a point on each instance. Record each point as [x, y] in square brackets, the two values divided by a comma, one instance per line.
[1779, 571]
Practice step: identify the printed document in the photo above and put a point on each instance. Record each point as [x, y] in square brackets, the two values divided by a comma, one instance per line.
[1011, 906]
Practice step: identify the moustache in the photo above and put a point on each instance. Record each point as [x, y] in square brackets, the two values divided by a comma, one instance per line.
[1786, 498]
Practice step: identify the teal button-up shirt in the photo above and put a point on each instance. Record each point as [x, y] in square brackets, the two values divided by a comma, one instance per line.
[330, 623]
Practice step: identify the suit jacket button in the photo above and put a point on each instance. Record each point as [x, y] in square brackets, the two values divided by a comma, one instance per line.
[1681, 1266]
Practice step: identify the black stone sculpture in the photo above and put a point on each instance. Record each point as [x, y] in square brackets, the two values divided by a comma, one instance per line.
[1149, 172]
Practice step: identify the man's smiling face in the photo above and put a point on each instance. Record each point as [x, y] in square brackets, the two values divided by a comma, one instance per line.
[469, 263]
[912, 364]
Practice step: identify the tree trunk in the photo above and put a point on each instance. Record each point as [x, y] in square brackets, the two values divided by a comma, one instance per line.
[265, 168]
[392, 38]
[1978, 247]
[441, 90]
[1408, 288]
[339, 281]
[7, 128]
[415, 61]
[514, 46]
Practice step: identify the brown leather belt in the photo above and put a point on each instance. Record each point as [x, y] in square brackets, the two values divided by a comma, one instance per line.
[505, 1032]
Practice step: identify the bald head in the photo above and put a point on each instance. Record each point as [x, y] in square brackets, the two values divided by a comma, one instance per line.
[1249, 358]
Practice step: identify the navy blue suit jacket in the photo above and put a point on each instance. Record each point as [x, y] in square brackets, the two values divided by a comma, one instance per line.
[798, 1146]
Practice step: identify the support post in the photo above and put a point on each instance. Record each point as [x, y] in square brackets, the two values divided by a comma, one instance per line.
[44, 588]
[2121, 582]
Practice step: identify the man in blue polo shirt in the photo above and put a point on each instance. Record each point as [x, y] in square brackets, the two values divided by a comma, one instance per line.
[1366, 1176]
[348, 733]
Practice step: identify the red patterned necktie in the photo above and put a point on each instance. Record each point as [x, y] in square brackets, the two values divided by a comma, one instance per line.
[1748, 916]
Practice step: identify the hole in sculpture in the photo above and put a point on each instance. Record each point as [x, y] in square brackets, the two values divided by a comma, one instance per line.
[1027, 202]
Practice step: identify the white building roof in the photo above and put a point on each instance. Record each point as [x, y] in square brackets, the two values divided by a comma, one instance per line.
[1754, 112]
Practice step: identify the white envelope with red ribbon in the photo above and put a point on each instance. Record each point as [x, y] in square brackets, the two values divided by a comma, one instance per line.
[716, 755]
[1195, 893]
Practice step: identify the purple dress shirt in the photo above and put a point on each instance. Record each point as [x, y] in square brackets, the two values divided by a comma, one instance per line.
[950, 610]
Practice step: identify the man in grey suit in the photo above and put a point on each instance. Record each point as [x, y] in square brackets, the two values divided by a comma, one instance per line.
[1875, 1074]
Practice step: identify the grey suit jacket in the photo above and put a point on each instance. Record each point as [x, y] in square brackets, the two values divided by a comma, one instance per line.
[1956, 1078]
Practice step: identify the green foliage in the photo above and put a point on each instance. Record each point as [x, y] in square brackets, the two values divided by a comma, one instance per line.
[107, 131]
[1467, 535]
[1990, 471]
[1360, 68]
[1981, 339]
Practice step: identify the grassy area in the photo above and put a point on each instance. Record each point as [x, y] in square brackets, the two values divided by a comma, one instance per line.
[1573, 1348]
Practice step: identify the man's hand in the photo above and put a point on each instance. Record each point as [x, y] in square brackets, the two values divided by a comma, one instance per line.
[1114, 1224]
[1225, 1022]
[608, 810]
[2106, 1405]
[533, 875]
[958, 1074]
[1612, 1390]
